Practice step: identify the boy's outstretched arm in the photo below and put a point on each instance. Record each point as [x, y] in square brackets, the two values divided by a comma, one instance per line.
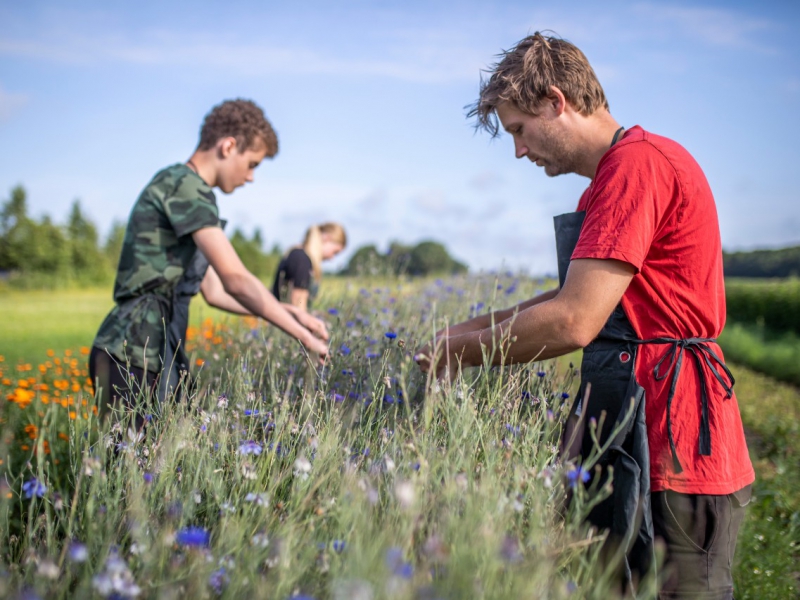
[214, 293]
[250, 293]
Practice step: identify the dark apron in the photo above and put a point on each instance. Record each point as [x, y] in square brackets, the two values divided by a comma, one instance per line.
[616, 400]
[176, 363]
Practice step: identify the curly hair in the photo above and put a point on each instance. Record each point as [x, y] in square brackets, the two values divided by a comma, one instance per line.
[524, 74]
[241, 119]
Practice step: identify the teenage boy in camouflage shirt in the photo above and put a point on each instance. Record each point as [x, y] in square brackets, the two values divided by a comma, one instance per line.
[174, 247]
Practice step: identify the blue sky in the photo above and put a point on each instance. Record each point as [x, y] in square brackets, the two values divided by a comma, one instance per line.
[368, 101]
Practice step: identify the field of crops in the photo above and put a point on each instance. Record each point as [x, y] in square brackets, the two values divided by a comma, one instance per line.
[275, 479]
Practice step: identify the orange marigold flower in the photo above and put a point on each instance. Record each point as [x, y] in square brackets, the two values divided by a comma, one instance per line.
[85, 350]
[25, 447]
[6, 381]
[73, 414]
[42, 369]
[63, 436]
[51, 353]
[76, 387]
[23, 383]
[94, 410]
[67, 352]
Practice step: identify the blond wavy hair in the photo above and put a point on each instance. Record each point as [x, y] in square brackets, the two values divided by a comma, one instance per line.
[312, 244]
[524, 74]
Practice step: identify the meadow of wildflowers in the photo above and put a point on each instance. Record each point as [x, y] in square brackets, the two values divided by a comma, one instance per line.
[274, 478]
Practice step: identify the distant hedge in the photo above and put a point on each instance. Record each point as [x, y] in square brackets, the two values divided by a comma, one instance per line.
[784, 262]
[774, 303]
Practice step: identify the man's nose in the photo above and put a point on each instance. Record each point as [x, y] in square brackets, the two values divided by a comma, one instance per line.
[521, 150]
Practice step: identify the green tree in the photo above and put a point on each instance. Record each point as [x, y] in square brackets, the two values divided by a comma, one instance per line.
[16, 232]
[428, 258]
[86, 258]
[113, 245]
[366, 261]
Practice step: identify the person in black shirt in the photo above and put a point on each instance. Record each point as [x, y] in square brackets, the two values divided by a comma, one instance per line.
[300, 270]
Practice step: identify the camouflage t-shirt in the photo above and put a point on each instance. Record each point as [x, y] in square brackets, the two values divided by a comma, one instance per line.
[156, 251]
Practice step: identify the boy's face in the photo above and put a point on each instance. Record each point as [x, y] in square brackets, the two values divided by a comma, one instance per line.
[236, 168]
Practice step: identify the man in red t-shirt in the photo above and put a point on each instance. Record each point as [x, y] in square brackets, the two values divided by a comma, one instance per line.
[642, 292]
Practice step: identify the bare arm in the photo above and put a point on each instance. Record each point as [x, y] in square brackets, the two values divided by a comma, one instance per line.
[567, 322]
[299, 298]
[484, 321]
[247, 290]
[214, 293]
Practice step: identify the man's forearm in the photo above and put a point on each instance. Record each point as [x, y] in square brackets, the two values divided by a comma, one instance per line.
[543, 332]
[484, 321]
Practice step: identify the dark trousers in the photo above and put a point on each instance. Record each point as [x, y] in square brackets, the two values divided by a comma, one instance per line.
[119, 385]
[699, 532]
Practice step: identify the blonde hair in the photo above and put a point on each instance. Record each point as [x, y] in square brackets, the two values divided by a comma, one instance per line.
[312, 245]
[524, 74]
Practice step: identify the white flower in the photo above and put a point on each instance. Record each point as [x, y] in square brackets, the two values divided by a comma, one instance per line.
[405, 494]
[261, 499]
[48, 569]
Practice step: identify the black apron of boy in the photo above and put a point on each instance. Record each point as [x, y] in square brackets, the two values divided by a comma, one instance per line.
[176, 363]
[614, 397]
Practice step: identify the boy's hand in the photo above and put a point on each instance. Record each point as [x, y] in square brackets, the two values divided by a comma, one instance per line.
[316, 346]
[313, 324]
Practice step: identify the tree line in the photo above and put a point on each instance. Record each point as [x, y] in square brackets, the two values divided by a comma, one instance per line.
[43, 253]
[784, 262]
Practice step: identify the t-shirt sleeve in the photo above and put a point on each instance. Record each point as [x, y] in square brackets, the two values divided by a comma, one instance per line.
[191, 207]
[298, 269]
[627, 204]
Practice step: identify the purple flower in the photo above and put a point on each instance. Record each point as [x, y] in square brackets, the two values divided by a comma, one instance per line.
[193, 536]
[564, 395]
[77, 552]
[371, 354]
[512, 429]
[148, 478]
[219, 580]
[350, 324]
[390, 334]
[250, 447]
[333, 311]
[251, 413]
[338, 545]
[396, 564]
[344, 350]
[541, 373]
[337, 397]
[576, 474]
[34, 487]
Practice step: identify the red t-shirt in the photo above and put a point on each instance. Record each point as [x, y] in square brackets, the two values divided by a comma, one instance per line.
[650, 205]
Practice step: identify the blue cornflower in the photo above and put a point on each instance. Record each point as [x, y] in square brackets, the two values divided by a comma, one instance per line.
[78, 552]
[388, 398]
[390, 334]
[148, 477]
[350, 324]
[564, 395]
[396, 564]
[512, 429]
[371, 354]
[337, 397]
[251, 413]
[344, 350]
[219, 580]
[577, 474]
[333, 311]
[193, 536]
[34, 487]
[541, 373]
[511, 289]
[338, 545]
[250, 447]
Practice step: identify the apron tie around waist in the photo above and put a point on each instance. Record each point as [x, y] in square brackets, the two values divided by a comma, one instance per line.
[702, 354]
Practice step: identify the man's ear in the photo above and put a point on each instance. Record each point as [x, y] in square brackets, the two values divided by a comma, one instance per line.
[556, 101]
[226, 146]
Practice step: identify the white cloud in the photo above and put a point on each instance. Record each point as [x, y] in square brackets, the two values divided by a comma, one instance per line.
[10, 103]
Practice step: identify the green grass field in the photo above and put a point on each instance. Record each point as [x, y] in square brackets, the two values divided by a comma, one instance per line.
[35, 321]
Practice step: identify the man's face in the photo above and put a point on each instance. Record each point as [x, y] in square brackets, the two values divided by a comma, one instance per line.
[541, 138]
[236, 168]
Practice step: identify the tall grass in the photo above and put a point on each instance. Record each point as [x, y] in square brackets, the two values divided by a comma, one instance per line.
[274, 479]
[774, 354]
